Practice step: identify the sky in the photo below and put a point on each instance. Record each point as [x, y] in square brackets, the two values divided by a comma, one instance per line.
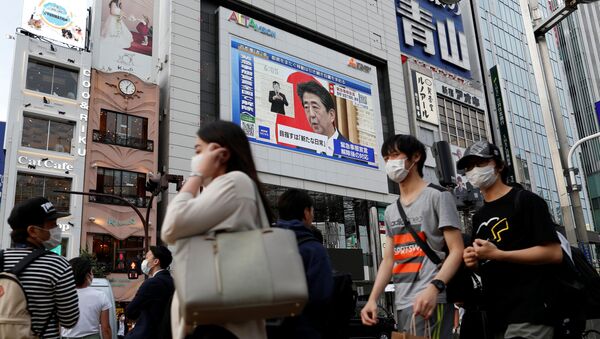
[11, 17]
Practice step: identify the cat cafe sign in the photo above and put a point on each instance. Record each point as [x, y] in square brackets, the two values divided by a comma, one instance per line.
[46, 162]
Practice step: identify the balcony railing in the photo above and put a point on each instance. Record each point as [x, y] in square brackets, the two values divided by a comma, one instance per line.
[141, 202]
[122, 140]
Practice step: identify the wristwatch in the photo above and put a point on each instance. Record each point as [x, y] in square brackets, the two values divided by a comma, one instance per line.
[195, 174]
[440, 285]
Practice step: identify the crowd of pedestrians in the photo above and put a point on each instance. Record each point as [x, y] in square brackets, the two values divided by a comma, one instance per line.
[513, 249]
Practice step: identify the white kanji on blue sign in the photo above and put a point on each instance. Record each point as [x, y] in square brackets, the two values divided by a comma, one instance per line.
[434, 33]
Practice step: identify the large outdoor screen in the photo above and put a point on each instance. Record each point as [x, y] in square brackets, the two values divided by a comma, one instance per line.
[59, 20]
[283, 101]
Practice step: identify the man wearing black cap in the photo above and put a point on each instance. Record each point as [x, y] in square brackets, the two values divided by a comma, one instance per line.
[151, 302]
[48, 280]
[513, 249]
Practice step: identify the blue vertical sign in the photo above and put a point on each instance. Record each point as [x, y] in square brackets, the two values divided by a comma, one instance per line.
[246, 81]
[434, 33]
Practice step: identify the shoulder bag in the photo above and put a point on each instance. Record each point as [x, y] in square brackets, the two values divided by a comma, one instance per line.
[240, 276]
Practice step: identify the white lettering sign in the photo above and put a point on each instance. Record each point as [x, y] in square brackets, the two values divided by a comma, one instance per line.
[46, 163]
[85, 95]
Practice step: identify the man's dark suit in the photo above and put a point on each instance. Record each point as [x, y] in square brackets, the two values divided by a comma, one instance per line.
[150, 304]
[276, 104]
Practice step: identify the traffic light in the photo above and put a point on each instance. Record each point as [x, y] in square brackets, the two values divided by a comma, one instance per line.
[153, 182]
[444, 165]
[132, 274]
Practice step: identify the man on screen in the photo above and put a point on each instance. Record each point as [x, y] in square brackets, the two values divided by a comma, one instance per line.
[319, 108]
[277, 99]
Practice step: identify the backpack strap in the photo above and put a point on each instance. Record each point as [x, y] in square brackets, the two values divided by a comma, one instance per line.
[422, 244]
[21, 265]
[439, 188]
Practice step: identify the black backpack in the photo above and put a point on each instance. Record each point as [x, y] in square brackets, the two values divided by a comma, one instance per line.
[343, 302]
[576, 291]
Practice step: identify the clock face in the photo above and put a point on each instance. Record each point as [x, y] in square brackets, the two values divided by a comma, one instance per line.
[127, 87]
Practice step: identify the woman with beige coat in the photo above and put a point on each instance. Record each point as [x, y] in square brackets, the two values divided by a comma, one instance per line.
[224, 170]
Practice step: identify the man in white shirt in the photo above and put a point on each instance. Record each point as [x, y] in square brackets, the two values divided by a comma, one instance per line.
[94, 305]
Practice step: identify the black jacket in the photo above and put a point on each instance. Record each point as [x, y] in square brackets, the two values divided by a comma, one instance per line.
[149, 304]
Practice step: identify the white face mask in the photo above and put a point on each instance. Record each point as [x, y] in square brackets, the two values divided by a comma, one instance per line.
[482, 177]
[396, 169]
[55, 238]
[145, 267]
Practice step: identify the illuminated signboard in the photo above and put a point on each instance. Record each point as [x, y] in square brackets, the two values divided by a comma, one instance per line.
[282, 101]
[59, 20]
[434, 33]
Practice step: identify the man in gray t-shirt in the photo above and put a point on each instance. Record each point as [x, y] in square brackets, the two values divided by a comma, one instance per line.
[419, 283]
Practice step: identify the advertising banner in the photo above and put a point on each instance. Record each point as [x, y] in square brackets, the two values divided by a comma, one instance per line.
[502, 123]
[59, 20]
[125, 37]
[425, 98]
[285, 102]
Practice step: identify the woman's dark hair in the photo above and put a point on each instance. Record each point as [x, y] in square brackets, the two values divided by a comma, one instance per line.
[116, 2]
[233, 138]
[81, 268]
[292, 204]
[408, 145]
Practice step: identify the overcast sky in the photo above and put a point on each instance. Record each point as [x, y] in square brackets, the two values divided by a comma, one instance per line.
[11, 17]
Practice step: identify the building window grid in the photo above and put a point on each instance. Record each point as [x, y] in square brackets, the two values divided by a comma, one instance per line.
[460, 125]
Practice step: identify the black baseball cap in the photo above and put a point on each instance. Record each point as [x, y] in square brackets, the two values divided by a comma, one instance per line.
[480, 149]
[34, 211]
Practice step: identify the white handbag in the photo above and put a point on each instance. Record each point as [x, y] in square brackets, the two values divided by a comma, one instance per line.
[240, 276]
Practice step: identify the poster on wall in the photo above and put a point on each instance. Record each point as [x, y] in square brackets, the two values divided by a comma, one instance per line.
[59, 20]
[286, 102]
[125, 37]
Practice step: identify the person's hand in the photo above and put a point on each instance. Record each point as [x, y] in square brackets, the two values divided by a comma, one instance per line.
[470, 257]
[213, 158]
[485, 249]
[368, 314]
[426, 301]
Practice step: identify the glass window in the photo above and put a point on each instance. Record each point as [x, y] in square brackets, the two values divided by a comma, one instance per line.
[47, 134]
[51, 79]
[123, 129]
[117, 256]
[126, 184]
[32, 185]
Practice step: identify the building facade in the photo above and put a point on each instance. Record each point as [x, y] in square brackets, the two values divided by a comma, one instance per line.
[122, 134]
[518, 104]
[226, 57]
[45, 136]
[578, 43]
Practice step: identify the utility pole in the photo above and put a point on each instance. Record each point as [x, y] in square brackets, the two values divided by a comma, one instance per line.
[570, 201]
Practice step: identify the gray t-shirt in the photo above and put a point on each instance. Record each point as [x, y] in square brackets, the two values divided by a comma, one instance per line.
[428, 214]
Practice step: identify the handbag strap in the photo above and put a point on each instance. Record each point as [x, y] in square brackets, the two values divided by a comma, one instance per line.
[422, 244]
[263, 220]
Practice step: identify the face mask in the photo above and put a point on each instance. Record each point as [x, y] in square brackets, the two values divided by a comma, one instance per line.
[396, 170]
[145, 267]
[55, 238]
[482, 177]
